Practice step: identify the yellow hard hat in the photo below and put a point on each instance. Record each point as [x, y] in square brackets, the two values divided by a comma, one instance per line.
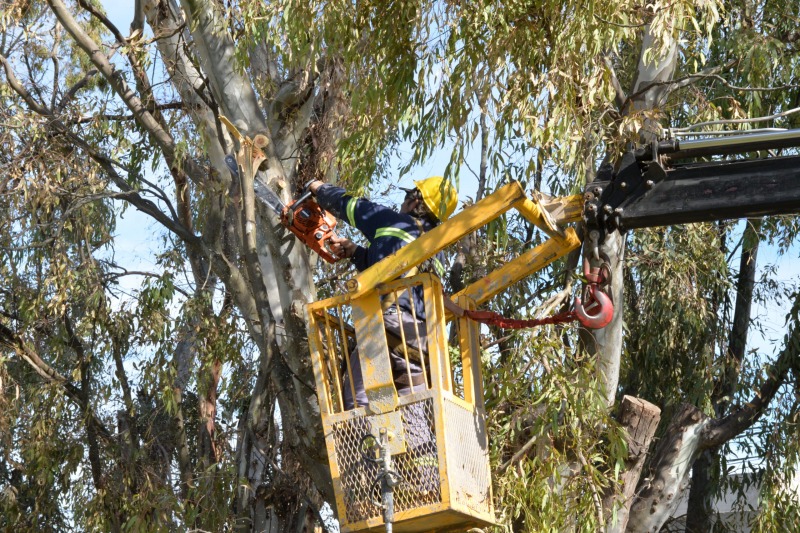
[439, 195]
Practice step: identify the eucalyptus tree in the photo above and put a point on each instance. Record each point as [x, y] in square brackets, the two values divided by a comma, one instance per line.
[191, 404]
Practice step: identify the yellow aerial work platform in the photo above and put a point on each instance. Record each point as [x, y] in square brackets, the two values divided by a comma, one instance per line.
[435, 436]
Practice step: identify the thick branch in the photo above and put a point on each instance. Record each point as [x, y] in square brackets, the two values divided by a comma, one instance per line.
[250, 159]
[745, 284]
[691, 432]
[20, 89]
[131, 195]
[654, 76]
[721, 431]
[122, 376]
[161, 136]
[668, 85]
[212, 41]
[115, 78]
[184, 75]
[289, 117]
[119, 117]
[619, 94]
[72, 91]
[76, 344]
[189, 82]
[236, 284]
[143, 84]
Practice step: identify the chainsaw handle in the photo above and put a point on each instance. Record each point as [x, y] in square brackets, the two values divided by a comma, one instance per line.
[307, 193]
[307, 186]
[303, 197]
[290, 209]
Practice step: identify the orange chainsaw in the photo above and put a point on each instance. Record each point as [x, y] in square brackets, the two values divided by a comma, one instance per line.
[304, 217]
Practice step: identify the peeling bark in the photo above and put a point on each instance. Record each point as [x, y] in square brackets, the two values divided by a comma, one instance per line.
[669, 472]
[164, 17]
[606, 343]
[213, 43]
[649, 93]
[651, 89]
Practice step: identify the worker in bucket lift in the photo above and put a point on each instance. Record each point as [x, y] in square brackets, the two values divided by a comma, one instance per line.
[429, 203]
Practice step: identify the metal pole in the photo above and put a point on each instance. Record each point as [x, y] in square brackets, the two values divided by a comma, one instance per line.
[733, 144]
[387, 481]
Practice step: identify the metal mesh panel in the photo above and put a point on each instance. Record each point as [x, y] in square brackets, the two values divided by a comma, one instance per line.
[358, 476]
[418, 467]
[465, 435]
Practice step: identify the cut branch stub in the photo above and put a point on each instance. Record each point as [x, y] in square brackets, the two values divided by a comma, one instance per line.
[261, 141]
[640, 418]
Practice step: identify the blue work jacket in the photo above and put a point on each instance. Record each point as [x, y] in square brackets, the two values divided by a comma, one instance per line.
[386, 230]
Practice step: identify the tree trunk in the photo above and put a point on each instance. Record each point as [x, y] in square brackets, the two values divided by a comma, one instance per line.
[698, 509]
[649, 92]
[606, 343]
[275, 280]
[669, 472]
[641, 419]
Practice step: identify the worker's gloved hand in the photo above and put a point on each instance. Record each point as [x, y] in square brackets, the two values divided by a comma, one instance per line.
[312, 186]
[342, 247]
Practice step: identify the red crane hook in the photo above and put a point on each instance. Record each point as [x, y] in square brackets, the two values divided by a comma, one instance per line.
[599, 305]
[599, 309]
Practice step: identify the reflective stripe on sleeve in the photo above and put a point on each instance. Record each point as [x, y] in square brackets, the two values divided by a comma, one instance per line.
[395, 232]
[439, 267]
[351, 211]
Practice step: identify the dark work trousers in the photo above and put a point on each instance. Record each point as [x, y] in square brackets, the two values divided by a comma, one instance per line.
[417, 340]
[421, 469]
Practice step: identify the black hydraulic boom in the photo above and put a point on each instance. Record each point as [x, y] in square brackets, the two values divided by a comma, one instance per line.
[649, 189]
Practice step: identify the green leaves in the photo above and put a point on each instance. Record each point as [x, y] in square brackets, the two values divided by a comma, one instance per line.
[677, 284]
[530, 86]
[542, 400]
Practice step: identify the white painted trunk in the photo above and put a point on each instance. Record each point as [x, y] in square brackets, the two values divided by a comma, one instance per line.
[669, 472]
